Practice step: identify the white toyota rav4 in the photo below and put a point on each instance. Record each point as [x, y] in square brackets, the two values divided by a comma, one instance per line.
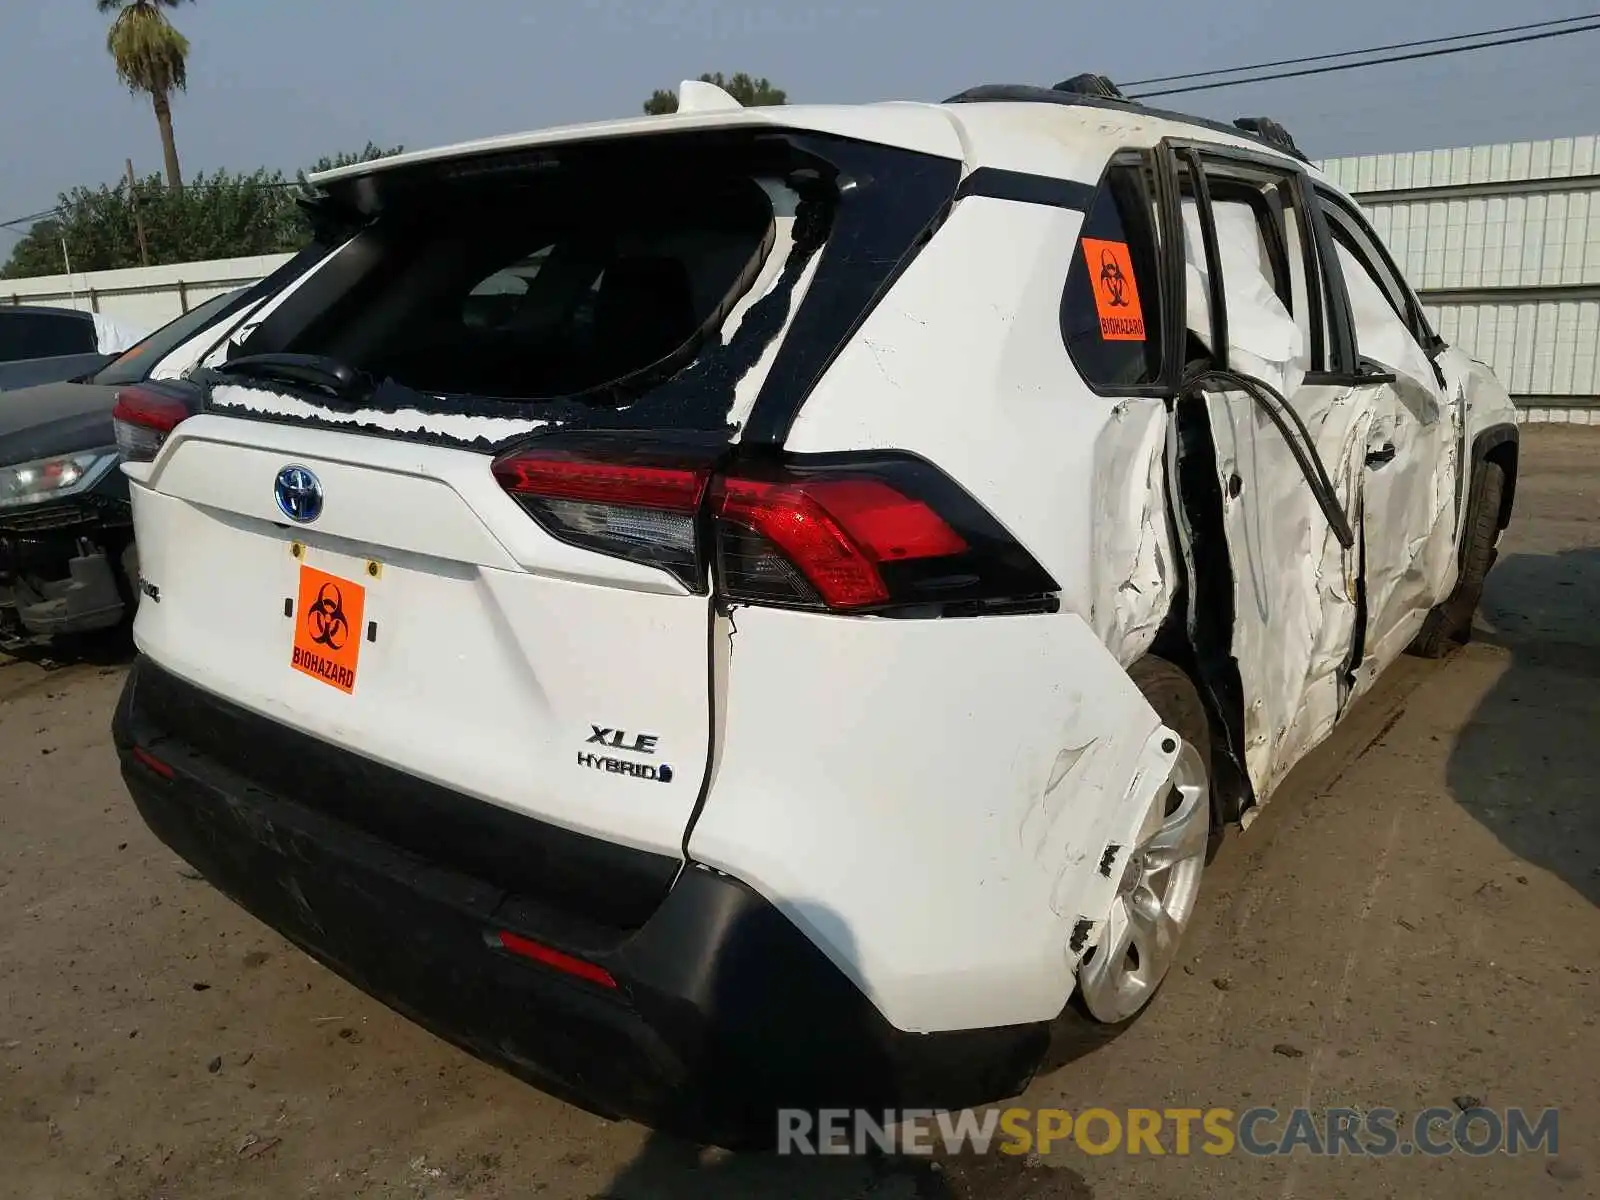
[771, 607]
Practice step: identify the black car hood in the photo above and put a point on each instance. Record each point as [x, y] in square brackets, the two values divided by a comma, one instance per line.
[55, 418]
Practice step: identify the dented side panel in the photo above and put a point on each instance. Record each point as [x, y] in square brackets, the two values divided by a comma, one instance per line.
[940, 805]
[1295, 588]
[1132, 554]
[1412, 474]
[1004, 760]
[963, 362]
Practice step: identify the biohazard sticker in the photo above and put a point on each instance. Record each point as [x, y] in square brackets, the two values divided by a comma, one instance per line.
[327, 635]
[1116, 295]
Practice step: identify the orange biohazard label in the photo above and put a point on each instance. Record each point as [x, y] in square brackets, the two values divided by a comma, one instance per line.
[327, 631]
[1116, 295]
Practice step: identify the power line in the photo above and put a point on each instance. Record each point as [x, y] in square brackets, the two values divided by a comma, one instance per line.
[1291, 62]
[29, 219]
[1370, 62]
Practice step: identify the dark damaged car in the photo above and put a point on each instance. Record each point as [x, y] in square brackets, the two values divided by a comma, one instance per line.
[68, 563]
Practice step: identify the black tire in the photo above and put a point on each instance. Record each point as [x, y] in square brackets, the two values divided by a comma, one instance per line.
[1450, 624]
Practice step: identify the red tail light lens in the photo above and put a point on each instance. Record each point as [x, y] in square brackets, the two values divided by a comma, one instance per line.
[629, 503]
[877, 532]
[142, 418]
[835, 532]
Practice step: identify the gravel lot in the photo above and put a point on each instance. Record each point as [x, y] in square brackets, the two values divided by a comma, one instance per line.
[1412, 920]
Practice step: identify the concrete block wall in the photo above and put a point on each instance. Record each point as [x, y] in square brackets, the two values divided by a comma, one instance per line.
[142, 297]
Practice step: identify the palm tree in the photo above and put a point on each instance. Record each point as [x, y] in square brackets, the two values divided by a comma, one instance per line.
[151, 57]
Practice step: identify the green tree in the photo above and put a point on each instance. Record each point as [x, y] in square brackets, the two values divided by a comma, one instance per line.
[153, 58]
[224, 215]
[747, 91]
[335, 161]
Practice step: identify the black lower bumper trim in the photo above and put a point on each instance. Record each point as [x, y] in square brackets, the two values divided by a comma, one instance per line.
[724, 1011]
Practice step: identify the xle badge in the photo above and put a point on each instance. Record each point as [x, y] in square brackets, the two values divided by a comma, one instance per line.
[617, 739]
[327, 637]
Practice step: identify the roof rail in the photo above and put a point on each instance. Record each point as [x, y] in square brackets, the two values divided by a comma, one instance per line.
[1097, 91]
[1091, 85]
[1269, 130]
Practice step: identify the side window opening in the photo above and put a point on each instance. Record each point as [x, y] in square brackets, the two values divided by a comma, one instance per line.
[1265, 288]
[1255, 336]
[1383, 336]
[1308, 295]
[1111, 318]
[1355, 237]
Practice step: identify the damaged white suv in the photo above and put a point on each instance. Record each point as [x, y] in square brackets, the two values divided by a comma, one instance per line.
[769, 608]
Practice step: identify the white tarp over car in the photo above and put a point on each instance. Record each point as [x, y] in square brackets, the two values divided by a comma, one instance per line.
[113, 336]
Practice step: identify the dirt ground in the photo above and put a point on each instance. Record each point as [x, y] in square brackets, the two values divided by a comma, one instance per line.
[1412, 922]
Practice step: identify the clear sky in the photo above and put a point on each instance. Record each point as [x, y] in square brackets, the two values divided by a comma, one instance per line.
[282, 83]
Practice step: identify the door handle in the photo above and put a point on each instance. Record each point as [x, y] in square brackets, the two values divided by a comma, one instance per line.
[1384, 454]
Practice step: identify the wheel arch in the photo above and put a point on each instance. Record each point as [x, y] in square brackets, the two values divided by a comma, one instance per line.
[1500, 445]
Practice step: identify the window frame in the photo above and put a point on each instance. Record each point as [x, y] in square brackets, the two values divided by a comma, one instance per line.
[1284, 186]
[1339, 210]
[1339, 364]
[1157, 185]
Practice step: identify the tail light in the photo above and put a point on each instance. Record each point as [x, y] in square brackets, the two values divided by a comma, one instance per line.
[623, 501]
[143, 417]
[864, 533]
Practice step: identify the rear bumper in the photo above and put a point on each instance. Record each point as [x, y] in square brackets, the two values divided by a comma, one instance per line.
[723, 1011]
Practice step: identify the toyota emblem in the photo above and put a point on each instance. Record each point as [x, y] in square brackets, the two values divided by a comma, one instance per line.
[299, 494]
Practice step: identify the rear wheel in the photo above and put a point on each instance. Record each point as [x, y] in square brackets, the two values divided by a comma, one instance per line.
[1160, 884]
[1450, 624]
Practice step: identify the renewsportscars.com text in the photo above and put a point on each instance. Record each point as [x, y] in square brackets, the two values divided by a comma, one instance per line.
[1258, 1132]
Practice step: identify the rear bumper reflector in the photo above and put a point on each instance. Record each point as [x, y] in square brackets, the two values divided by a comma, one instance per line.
[528, 948]
[152, 762]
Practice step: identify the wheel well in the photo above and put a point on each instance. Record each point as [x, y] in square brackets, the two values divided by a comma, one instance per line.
[1503, 454]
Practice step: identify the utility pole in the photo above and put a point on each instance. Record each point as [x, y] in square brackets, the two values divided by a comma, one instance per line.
[138, 221]
[67, 260]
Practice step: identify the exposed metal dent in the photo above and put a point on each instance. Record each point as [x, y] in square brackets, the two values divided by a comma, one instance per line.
[1133, 543]
[1066, 760]
[1087, 884]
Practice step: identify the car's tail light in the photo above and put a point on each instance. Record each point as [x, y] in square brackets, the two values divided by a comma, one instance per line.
[641, 505]
[826, 540]
[862, 533]
[142, 418]
[870, 532]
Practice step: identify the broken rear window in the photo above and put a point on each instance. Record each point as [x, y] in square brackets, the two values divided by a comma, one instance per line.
[696, 281]
[529, 292]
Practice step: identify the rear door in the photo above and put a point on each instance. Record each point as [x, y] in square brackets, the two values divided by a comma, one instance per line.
[442, 507]
[1258, 308]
